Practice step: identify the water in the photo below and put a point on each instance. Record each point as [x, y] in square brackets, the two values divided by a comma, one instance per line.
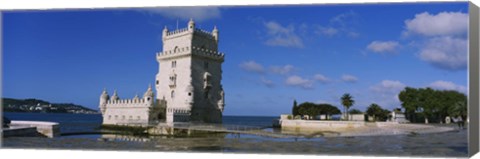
[90, 122]
[68, 122]
[449, 144]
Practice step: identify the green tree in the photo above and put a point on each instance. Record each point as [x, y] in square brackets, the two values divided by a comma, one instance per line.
[374, 110]
[312, 109]
[328, 110]
[432, 104]
[409, 99]
[377, 112]
[295, 108]
[458, 109]
[307, 108]
[347, 102]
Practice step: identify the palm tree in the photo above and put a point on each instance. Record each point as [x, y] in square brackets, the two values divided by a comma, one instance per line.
[347, 102]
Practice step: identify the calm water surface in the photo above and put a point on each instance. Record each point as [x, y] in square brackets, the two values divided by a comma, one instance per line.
[452, 144]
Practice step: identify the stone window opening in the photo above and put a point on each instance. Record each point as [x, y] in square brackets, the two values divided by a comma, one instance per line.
[206, 81]
[205, 65]
[173, 94]
[174, 64]
[176, 49]
[173, 80]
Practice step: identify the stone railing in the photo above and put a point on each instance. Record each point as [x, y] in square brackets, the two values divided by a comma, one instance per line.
[49, 129]
[197, 31]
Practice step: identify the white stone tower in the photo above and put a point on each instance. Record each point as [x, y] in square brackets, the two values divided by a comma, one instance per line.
[103, 101]
[188, 83]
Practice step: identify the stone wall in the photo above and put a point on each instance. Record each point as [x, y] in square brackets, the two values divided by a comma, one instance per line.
[320, 125]
[49, 129]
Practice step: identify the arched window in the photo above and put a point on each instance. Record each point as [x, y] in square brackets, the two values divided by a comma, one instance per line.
[173, 94]
[175, 49]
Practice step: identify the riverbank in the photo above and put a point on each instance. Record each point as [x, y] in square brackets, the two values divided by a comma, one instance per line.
[358, 128]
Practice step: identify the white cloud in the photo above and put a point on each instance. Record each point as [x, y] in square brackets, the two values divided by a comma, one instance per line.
[388, 86]
[298, 81]
[341, 24]
[268, 83]
[383, 46]
[279, 35]
[252, 66]
[185, 13]
[349, 78]
[353, 34]
[328, 31]
[321, 78]
[445, 52]
[344, 19]
[283, 70]
[444, 23]
[446, 85]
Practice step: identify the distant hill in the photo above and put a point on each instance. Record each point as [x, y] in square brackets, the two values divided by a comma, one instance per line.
[41, 106]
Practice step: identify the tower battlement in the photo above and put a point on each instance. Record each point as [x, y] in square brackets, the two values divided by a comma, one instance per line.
[122, 102]
[191, 33]
[194, 51]
[184, 31]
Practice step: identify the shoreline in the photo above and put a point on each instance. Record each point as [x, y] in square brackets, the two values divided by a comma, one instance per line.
[359, 128]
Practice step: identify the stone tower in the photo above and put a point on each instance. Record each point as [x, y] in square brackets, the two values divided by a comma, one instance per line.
[103, 101]
[188, 83]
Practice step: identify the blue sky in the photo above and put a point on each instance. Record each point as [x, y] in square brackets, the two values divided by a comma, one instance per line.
[274, 54]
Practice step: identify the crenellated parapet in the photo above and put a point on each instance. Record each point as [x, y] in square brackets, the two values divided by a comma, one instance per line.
[185, 51]
[184, 31]
[177, 31]
[204, 34]
[115, 102]
[128, 102]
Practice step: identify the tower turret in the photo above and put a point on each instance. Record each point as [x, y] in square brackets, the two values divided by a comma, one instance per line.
[191, 25]
[136, 98]
[115, 96]
[103, 101]
[148, 96]
[165, 32]
[215, 34]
